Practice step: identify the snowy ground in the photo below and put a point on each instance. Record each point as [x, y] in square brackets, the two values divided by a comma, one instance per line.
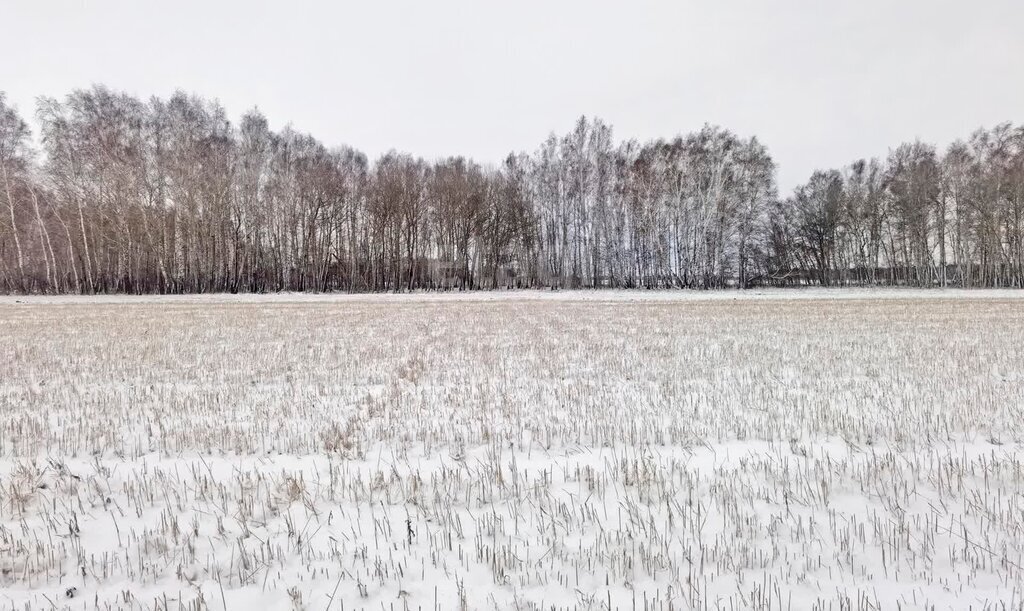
[612, 295]
[536, 450]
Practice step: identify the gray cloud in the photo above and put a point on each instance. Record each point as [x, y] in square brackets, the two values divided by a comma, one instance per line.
[822, 83]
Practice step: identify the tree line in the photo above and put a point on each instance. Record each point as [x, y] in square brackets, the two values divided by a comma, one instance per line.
[168, 196]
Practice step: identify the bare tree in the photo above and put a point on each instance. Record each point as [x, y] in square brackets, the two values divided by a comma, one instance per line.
[169, 196]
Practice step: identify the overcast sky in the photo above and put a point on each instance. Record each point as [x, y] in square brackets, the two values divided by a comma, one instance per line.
[820, 82]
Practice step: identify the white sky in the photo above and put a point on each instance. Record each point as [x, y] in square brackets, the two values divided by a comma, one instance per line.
[821, 82]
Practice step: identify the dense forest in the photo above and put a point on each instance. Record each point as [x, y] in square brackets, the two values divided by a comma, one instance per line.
[116, 194]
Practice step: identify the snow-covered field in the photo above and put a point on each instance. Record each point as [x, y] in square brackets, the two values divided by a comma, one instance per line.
[791, 450]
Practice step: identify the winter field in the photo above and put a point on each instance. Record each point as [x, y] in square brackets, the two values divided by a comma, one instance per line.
[788, 450]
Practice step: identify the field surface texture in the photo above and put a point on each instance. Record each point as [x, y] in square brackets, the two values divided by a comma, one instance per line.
[787, 450]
